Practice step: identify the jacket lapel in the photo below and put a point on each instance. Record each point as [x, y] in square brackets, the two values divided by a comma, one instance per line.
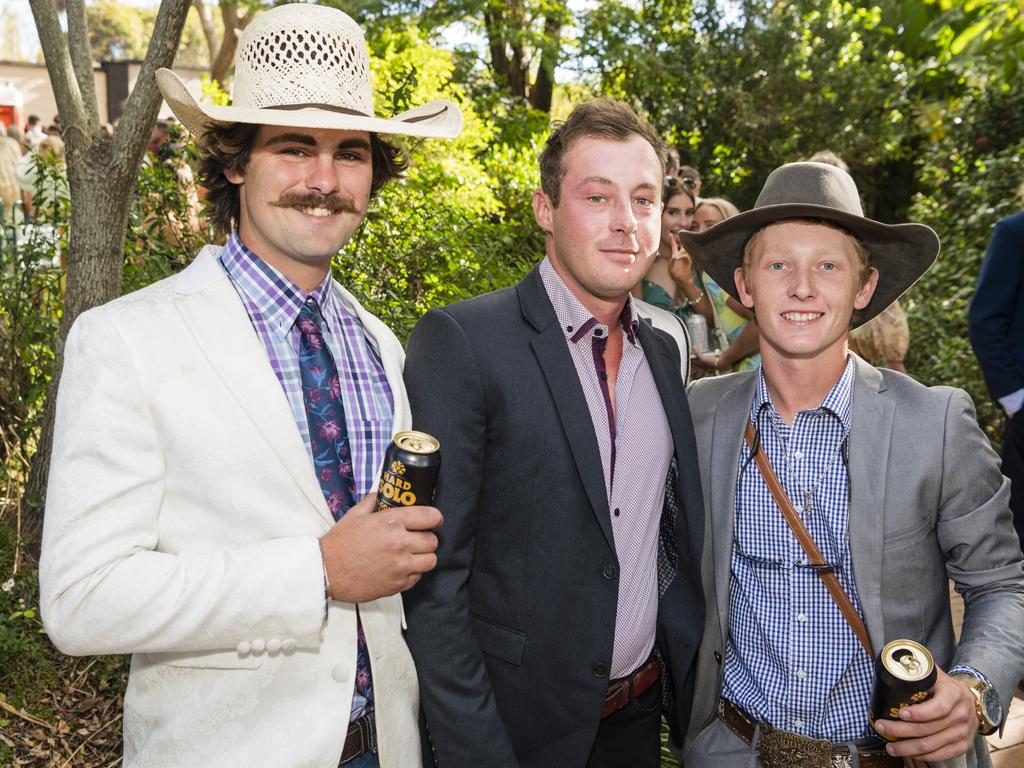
[870, 440]
[549, 347]
[731, 417]
[215, 315]
[666, 374]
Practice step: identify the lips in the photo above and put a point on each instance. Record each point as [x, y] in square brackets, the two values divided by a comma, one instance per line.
[622, 254]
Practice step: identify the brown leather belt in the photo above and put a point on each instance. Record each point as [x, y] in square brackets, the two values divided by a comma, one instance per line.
[359, 740]
[782, 749]
[622, 691]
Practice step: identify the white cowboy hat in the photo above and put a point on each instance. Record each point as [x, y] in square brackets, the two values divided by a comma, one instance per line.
[305, 66]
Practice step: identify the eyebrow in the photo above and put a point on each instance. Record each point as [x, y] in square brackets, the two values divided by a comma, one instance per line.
[309, 141]
[605, 180]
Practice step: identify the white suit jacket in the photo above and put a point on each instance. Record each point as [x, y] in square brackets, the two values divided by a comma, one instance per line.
[182, 524]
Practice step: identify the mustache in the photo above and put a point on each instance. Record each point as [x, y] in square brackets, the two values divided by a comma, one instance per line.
[333, 203]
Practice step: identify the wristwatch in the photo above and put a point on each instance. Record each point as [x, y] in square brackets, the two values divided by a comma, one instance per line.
[986, 702]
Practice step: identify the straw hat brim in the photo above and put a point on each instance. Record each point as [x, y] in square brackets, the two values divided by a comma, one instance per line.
[901, 253]
[436, 119]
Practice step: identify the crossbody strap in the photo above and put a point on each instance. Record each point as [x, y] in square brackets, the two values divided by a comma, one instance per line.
[796, 525]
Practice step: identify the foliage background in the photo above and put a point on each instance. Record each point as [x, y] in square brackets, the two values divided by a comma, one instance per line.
[923, 99]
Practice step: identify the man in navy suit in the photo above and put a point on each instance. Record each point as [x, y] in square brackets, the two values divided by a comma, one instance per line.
[997, 335]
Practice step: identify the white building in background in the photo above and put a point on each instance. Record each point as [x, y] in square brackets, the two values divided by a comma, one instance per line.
[114, 81]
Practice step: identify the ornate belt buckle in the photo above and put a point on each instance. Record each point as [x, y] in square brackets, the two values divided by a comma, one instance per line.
[782, 749]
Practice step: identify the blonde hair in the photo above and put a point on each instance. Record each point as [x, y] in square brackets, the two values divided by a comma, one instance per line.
[52, 146]
[720, 204]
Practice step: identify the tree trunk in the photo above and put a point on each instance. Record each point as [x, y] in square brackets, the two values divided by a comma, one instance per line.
[101, 176]
[101, 187]
[544, 85]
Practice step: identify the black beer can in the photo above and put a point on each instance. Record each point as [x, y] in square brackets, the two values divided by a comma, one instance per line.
[409, 477]
[904, 674]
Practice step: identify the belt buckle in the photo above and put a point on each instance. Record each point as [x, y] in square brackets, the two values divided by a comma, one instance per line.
[782, 749]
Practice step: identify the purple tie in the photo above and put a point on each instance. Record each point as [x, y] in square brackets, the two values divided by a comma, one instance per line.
[332, 458]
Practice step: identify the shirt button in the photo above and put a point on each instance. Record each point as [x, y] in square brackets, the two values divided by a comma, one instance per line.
[568, 329]
[797, 455]
[598, 332]
[801, 617]
[616, 512]
[798, 723]
[801, 674]
[603, 375]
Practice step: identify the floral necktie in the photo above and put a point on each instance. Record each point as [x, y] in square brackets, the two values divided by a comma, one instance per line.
[332, 457]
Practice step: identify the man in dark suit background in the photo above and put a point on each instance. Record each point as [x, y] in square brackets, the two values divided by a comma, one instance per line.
[997, 334]
[566, 600]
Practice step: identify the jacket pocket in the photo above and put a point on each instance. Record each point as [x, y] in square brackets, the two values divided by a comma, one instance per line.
[209, 660]
[498, 641]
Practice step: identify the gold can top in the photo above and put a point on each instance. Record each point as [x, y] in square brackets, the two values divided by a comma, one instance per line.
[417, 442]
[907, 660]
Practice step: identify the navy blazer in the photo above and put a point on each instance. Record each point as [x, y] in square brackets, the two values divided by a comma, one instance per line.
[997, 311]
[512, 632]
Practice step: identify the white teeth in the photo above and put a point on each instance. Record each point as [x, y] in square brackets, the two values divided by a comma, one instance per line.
[801, 317]
[316, 211]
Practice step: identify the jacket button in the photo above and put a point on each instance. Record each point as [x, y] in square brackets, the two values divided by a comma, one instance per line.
[718, 657]
[273, 645]
[289, 645]
[243, 647]
[258, 646]
[340, 674]
[610, 572]
[600, 670]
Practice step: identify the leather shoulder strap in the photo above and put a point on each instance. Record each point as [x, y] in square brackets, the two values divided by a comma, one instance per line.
[809, 545]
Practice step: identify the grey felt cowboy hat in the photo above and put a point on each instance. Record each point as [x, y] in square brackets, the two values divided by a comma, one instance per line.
[305, 66]
[900, 252]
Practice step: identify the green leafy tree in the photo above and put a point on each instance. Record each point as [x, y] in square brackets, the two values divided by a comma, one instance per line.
[460, 223]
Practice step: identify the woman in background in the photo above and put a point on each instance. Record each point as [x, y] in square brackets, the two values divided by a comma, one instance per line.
[738, 336]
[670, 282]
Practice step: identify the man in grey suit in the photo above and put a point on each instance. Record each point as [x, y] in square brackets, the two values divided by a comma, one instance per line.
[895, 483]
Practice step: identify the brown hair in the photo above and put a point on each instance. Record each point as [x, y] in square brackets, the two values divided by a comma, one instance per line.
[673, 187]
[863, 255]
[605, 118]
[228, 148]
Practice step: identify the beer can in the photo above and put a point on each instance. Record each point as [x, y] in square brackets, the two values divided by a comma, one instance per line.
[904, 674]
[409, 476]
[697, 328]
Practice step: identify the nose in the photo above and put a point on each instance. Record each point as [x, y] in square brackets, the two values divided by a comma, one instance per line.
[323, 176]
[802, 286]
[624, 219]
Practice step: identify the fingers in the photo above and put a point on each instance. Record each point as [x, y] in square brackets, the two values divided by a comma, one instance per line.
[416, 518]
[421, 542]
[364, 506]
[938, 729]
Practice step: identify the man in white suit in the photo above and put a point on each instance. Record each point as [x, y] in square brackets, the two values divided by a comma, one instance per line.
[892, 482]
[219, 434]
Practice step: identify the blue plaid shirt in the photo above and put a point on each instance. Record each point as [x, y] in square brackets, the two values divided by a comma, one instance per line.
[273, 303]
[791, 659]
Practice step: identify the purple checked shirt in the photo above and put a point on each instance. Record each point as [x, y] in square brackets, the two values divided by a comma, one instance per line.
[636, 449]
[273, 303]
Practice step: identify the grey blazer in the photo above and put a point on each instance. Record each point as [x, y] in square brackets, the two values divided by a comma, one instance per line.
[927, 504]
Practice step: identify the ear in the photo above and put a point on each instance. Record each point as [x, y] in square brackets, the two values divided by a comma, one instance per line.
[234, 176]
[543, 210]
[866, 291]
[746, 297]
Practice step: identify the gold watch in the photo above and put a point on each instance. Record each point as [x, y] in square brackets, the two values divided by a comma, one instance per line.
[986, 702]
